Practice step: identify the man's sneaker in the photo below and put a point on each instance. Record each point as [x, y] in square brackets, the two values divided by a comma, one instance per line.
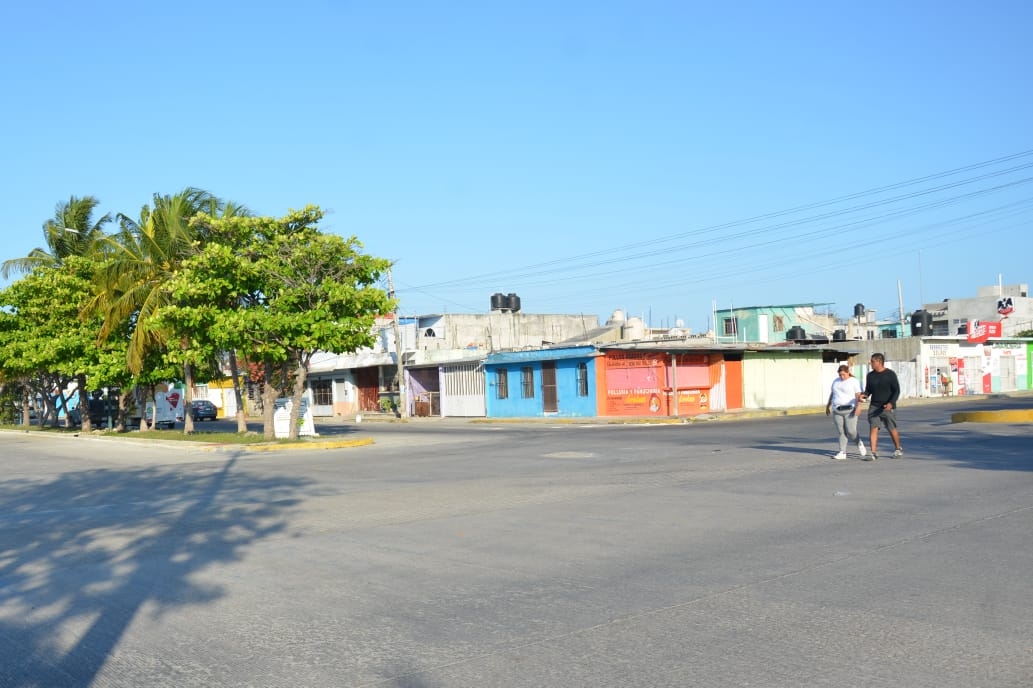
[898, 454]
[841, 456]
[861, 450]
[871, 457]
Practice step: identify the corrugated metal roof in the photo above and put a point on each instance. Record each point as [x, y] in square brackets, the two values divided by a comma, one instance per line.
[541, 355]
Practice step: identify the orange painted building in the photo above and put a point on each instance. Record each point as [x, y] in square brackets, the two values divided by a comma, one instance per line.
[667, 383]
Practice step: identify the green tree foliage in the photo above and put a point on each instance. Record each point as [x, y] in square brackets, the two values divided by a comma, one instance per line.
[44, 344]
[132, 287]
[279, 290]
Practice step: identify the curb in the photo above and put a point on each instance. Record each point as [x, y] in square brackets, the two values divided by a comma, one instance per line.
[307, 446]
[1005, 416]
[200, 445]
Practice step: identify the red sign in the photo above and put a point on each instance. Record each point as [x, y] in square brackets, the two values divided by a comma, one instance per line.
[979, 332]
[172, 398]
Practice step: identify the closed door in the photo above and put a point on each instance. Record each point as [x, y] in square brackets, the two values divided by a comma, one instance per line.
[550, 400]
[1008, 381]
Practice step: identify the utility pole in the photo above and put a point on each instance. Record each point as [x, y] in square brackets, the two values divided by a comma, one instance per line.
[900, 302]
[403, 408]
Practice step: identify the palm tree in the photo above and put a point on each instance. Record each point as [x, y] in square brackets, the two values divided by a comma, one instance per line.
[144, 254]
[71, 232]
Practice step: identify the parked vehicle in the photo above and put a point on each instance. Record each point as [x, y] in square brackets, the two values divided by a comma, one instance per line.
[166, 410]
[203, 409]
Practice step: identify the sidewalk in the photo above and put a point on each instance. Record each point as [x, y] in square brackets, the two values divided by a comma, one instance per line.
[724, 416]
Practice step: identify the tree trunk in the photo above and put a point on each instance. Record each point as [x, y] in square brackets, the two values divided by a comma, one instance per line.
[123, 411]
[235, 372]
[144, 425]
[268, 403]
[26, 414]
[84, 403]
[188, 398]
[300, 376]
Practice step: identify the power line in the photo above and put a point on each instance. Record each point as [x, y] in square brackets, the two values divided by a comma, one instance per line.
[571, 263]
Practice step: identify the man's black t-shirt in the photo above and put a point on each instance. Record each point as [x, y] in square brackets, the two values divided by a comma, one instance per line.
[882, 388]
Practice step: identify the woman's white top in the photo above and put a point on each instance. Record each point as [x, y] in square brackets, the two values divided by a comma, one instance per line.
[844, 392]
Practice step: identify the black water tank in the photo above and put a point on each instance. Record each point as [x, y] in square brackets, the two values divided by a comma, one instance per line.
[513, 302]
[858, 310]
[498, 302]
[921, 324]
[795, 333]
[839, 336]
[963, 328]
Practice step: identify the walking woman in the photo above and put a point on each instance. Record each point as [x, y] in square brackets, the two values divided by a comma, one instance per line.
[845, 406]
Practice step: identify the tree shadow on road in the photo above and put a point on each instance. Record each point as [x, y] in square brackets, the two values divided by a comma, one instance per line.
[82, 554]
[976, 445]
[1004, 447]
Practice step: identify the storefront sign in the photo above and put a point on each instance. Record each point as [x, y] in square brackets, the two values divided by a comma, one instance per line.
[979, 331]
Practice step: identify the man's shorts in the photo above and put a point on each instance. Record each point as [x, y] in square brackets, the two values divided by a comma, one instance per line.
[884, 417]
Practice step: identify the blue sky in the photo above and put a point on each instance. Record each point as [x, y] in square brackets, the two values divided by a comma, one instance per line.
[587, 156]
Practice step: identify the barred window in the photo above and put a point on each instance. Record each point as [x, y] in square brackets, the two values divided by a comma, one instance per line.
[731, 326]
[582, 379]
[502, 383]
[527, 382]
[322, 393]
[780, 324]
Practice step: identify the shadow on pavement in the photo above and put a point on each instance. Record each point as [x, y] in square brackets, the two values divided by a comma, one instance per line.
[970, 445]
[82, 554]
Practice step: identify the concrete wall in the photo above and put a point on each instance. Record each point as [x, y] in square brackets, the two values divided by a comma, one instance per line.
[783, 380]
[500, 330]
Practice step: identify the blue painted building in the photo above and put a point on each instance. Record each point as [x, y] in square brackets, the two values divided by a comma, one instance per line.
[546, 382]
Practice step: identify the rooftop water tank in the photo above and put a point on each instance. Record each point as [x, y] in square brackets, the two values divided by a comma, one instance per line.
[921, 324]
[859, 310]
[513, 302]
[499, 302]
[635, 329]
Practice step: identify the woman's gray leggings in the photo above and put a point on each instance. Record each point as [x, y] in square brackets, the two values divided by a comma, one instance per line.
[846, 425]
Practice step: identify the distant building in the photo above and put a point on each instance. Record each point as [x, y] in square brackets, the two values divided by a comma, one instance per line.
[774, 324]
[1009, 304]
[443, 358]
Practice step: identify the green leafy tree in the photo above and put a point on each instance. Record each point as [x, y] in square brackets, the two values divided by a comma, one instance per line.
[279, 290]
[44, 343]
[132, 287]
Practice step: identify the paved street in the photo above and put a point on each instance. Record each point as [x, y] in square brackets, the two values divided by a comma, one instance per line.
[713, 554]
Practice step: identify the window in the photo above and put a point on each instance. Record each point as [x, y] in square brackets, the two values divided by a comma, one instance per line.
[731, 326]
[582, 379]
[502, 383]
[527, 382]
[322, 393]
[780, 323]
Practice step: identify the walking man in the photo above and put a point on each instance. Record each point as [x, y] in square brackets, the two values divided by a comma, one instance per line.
[845, 406]
[882, 389]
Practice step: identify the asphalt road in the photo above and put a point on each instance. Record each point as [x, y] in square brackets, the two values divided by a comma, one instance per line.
[457, 554]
